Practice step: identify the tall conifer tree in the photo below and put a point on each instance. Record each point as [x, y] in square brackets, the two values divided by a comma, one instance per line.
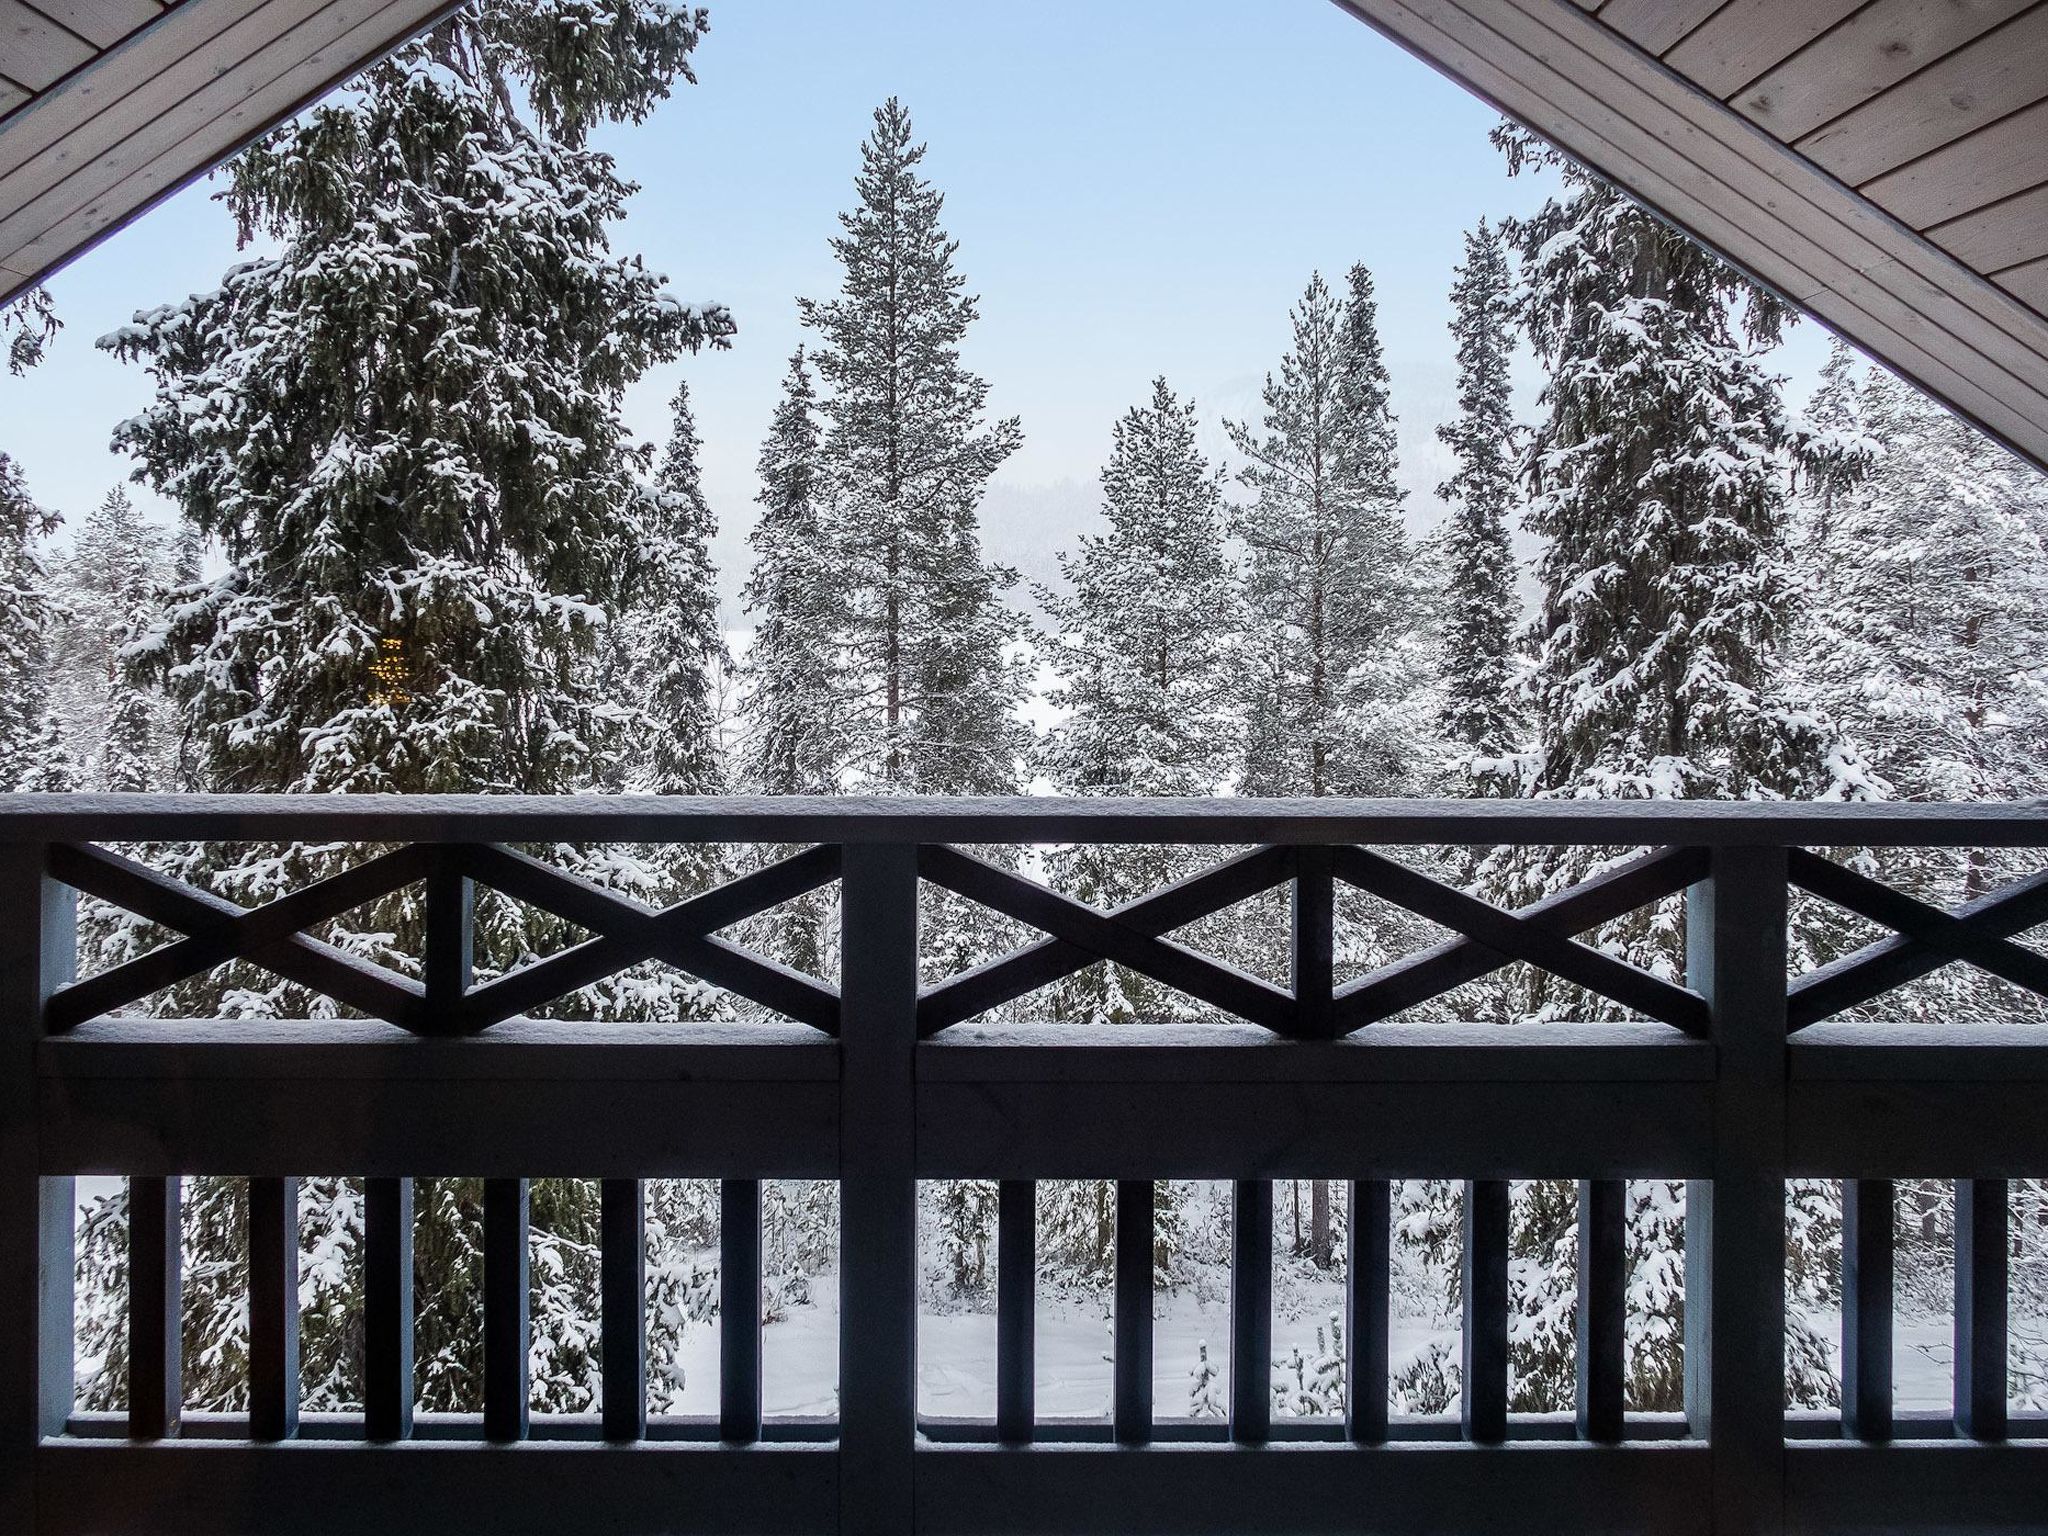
[403, 433]
[1142, 648]
[26, 616]
[1479, 717]
[929, 694]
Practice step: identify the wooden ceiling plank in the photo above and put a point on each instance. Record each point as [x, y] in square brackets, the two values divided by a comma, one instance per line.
[2003, 235]
[1856, 269]
[119, 74]
[164, 106]
[1999, 73]
[38, 51]
[1745, 38]
[2027, 283]
[11, 96]
[219, 135]
[1867, 54]
[1654, 25]
[102, 23]
[1996, 161]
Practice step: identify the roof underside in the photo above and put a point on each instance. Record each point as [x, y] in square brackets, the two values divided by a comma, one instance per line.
[1881, 163]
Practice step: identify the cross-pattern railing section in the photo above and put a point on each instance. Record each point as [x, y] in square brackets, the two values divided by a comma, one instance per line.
[1733, 1078]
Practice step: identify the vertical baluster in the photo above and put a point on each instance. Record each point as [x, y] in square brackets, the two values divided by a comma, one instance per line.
[506, 1276]
[1867, 1240]
[1484, 1400]
[1982, 1215]
[1735, 1220]
[1314, 947]
[1016, 1301]
[739, 1311]
[622, 1286]
[1132, 1363]
[1251, 1311]
[387, 1309]
[450, 941]
[878, 1190]
[1603, 1306]
[1368, 1307]
[273, 1308]
[156, 1368]
[38, 950]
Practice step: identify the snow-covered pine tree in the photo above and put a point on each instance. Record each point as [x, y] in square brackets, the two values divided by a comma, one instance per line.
[926, 690]
[29, 325]
[1926, 638]
[403, 432]
[789, 710]
[28, 614]
[1660, 478]
[1330, 586]
[1338, 687]
[1142, 646]
[672, 639]
[108, 583]
[928, 695]
[1481, 619]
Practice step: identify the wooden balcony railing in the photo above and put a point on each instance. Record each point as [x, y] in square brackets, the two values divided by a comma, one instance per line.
[1734, 1081]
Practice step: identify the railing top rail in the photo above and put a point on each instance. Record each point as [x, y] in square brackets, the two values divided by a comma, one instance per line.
[1011, 819]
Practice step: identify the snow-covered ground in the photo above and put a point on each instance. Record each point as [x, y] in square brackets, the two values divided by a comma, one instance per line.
[957, 1354]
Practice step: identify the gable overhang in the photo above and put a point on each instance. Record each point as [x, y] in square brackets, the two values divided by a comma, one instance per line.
[1555, 67]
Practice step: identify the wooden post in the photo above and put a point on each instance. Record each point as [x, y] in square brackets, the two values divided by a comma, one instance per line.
[1603, 1306]
[1982, 1213]
[156, 1308]
[622, 1285]
[387, 1309]
[38, 950]
[1867, 1242]
[1131, 1360]
[1251, 1311]
[273, 1308]
[739, 1311]
[507, 1388]
[878, 1190]
[450, 942]
[1314, 947]
[1735, 1221]
[1368, 1308]
[1483, 1404]
[1016, 1317]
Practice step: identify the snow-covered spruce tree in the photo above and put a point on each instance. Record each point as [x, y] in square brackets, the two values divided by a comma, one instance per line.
[28, 614]
[1927, 636]
[1481, 612]
[928, 697]
[1659, 481]
[29, 325]
[925, 693]
[1330, 585]
[402, 432]
[1338, 700]
[108, 583]
[789, 709]
[1142, 645]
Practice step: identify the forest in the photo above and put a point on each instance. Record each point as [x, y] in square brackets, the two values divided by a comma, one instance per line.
[418, 550]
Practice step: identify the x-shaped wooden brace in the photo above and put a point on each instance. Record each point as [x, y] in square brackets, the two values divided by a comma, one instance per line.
[1542, 933]
[1925, 938]
[628, 933]
[216, 931]
[1130, 934]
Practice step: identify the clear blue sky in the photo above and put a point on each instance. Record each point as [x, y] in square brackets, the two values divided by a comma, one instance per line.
[1138, 187]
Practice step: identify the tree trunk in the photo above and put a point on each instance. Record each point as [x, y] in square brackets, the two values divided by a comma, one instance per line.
[1319, 1243]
